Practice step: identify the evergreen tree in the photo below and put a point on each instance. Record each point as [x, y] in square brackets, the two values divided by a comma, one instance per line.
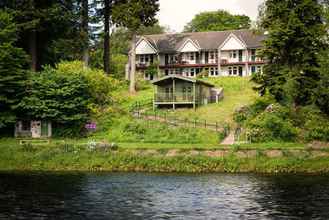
[49, 31]
[296, 34]
[13, 60]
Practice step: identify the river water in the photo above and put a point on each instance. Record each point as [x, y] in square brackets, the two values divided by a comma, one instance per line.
[162, 196]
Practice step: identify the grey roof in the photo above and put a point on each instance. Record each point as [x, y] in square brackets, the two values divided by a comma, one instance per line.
[165, 78]
[169, 43]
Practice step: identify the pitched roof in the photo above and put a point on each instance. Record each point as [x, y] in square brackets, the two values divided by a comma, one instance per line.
[170, 77]
[169, 43]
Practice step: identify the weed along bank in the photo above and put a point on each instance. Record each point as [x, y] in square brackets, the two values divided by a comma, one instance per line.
[178, 91]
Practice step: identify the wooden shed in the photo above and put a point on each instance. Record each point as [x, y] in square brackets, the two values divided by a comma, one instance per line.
[176, 91]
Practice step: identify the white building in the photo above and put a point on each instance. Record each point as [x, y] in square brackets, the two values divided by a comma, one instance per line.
[222, 53]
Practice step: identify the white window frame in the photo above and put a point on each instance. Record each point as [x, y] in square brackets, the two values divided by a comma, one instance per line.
[233, 54]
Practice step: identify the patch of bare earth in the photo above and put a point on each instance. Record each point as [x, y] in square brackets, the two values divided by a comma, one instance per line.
[172, 153]
[215, 153]
[318, 153]
[318, 145]
[273, 153]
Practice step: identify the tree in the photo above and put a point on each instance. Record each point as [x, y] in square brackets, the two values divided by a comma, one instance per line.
[217, 21]
[107, 11]
[85, 30]
[60, 98]
[133, 14]
[13, 60]
[49, 28]
[296, 34]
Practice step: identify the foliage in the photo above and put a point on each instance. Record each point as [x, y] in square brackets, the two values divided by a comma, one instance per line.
[12, 75]
[60, 98]
[315, 124]
[55, 25]
[126, 129]
[152, 69]
[296, 34]
[322, 89]
[75, 156]
[133, 14]
[271, 126]
[217, 21]
[100, 86]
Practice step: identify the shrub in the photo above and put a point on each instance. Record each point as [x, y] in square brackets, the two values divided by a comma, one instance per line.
[315, 124]
[271, 127]
[60, 98]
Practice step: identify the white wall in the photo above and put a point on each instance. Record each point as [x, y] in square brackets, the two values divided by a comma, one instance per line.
[189, 47]
[144, 48]
[233, 44]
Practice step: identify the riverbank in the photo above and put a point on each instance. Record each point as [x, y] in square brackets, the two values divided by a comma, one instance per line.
[237, 159]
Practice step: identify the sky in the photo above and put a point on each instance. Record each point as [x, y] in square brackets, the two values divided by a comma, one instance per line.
[177, 13]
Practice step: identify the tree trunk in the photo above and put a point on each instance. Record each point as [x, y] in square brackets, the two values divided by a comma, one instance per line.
[132, 85]
[33, 43]
[33, 49]
[106, 56]
[85, 34]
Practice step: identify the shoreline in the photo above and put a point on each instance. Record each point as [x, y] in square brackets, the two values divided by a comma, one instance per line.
[224, 160]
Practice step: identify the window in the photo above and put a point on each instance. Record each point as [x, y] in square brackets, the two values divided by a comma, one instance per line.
[253, 55]
[192, 72]
[191, 56]
[230, 72]
[141, 59]
[253, 69]
[235, 70]
[26, 125]
[212, 71]
[146, 58]
[233, 54]
[212, 55]
[216, 71]
[166, 72]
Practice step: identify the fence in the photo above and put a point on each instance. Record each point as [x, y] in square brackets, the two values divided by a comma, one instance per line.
[139, 110]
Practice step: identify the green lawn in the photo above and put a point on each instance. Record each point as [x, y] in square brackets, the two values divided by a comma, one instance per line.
[237, 92]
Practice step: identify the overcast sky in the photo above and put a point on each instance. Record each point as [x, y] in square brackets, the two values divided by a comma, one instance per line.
[176, 13]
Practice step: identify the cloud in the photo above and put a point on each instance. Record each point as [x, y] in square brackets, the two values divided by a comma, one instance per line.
[177, 13]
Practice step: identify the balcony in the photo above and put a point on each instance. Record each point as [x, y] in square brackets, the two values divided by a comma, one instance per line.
[174, 98]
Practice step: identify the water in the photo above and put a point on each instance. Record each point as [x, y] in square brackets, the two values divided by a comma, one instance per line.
[162, 196]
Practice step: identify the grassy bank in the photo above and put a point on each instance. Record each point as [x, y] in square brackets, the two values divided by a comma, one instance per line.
[75, 156]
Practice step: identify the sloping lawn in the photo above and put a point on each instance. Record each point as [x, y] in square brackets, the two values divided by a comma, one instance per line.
[237, 92]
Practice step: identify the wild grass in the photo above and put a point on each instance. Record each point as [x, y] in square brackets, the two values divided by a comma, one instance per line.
[75, 157]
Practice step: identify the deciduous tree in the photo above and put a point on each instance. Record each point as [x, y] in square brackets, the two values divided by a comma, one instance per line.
[133, 14]
[217, 21]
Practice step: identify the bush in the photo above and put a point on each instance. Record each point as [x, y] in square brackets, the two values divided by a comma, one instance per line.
[60, 98]
[271, 127]
[315, 124]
